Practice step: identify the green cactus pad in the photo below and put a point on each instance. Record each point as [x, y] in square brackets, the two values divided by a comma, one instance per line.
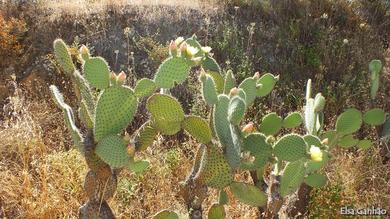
[172, 70]
[216, 211]
[145, 136]
[310, 116]
[290, 147]
[236, 110]
[218, 80]
[223, 198]
[114, 111]
[97, 73]
[271, 124]
[225, 132]
[166, 214]
[63, 57]
[248, 194]
[86, 93]
[113, 150]
[374, 117]
[268, 82]
[209, 91]
[144, 87]
[85, 116]
[312, 165]
[167, 113]
[349, 121]
[374, 88]
[332, 137]
[364, 144]
[257, 146]
[230, 82]
[293, 176]
[241, 93]
[292, 120]
[214, 170]
[316, 180]
[249, 86]
[198, 128]
[319, 102]
[68, 117]
[375, 66]
[348, 141]
[312, 140]
[386, 130]
[210, 64]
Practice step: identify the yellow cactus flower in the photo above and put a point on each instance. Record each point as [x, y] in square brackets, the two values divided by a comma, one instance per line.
[315, 153]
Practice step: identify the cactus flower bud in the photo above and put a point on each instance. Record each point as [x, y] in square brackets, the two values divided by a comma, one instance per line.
[315, 153]
[191, 51]
[233, 91]
[121, 77]
[325, 141]
[113, 76]
[248, 128]
[270, 139]
[173, 48]
[183, 47]
[206, 49]
[84, 52]
[131, 149]
[179, 40]
[256, 76]
[197, 60]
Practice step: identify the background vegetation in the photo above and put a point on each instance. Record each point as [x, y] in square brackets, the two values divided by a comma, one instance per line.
[330, 41]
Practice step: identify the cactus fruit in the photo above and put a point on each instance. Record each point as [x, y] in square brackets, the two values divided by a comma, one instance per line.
[113, 150]
[172, 70]
[316, 180]
[62, 54]
[198, 128]
[97, 73]
[271, 124]
[214, 170]
[257, 146]
[292, 177]
[248, 194]
[114, 110]
[292, 120]
[349, 121]
[167, 113]
[290, 147]
[144, 87]
[374, 116]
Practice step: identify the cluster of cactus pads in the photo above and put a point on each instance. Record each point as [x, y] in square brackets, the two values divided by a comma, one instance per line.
[227, 144]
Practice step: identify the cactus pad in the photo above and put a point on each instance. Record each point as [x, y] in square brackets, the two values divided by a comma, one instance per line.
[114, 110]
[167, 113]
[364, 144]
[209, 91]
[210, 64]
[349, 121]
[374, 117]
[312, 140]
[216, 211]
[230, 82]
[198, 128]
[218, 80]
[113, 150]
[292, 120]
[138, 166]
[248, 194]
[236, 110]
[257, 146]
[166, 214]
[214, 170]
[293, 176]
[144, 87]
[319, 102]
[97, 73]
[173, 69]
[316, 180]
[85, 92]
[249, 86]
[310, 116]
[348, 141]
[290, 147]
[145, 136]
[271, 124]
[268, 82]
[63, 57]
[85, 116]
